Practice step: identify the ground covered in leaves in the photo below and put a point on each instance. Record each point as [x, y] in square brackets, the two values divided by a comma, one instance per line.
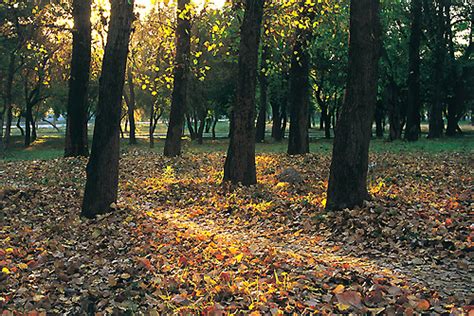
[180, 242]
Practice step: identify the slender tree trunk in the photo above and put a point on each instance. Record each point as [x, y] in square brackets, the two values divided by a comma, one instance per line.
[240, 161]
[77, 116]
[262, 113]
[213, 129]
[436, 123]
[412, 130]
[394, 115]
[18, 124]
[276, 121]
[298, 139]
[200, 130]
[8, 99]
[179, 96]
[327, 124]
[103, 167]
[131, 108]
[348, 173]
[379, 128]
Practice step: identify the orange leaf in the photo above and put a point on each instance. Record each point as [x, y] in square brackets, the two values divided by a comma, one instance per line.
[423, 305]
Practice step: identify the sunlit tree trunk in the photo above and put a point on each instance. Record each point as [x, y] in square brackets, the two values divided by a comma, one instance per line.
[240, 161]
[77, 107]
[181, 70]
[348, 173]
[103, 167]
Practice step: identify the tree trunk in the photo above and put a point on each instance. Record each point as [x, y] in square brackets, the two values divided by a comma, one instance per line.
[202, 123]
[240, 161]
[379, 128]
[348, 173]
[394, 114]
[8, 99]
[436, 123]
[131, 108]
[77, 107]
[179, 96]
[18, 124]
[412, 130]
[103, 167]
[298, 139]
[262, 113]
[213, 129]
[276, 121]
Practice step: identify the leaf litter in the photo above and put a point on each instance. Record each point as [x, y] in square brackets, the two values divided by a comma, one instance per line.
[181, 242]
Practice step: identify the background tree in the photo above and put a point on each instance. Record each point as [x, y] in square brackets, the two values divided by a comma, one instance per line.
[413, 128]
[77, 108]
[347, 185]
[181, 73]
[240, 161]
[102, 169]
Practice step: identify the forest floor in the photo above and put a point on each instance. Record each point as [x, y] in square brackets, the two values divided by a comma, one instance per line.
[181, 242]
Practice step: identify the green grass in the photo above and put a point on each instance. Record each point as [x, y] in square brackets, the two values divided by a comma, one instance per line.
[50, 144]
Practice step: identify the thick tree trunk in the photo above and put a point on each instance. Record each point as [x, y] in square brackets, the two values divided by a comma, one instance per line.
[412, 130]
[103, 167]
[348, 173]
[77, 107]
[131, 108]
[262, 113]
[179, 96]
[240, 161]
[298, 139]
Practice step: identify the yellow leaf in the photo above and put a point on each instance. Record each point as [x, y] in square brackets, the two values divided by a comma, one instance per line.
[23, 266]
[323, 202]
[338, 289]
[9, 250]
[5, 270]
[342, 307]
[239, 257]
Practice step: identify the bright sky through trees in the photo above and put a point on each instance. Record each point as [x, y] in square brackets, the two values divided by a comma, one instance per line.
[218, 3]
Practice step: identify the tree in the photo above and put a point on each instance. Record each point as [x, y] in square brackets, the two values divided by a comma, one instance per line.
[102, 169]
[240, 161]
[412, 130]
[263, 81]
[181, 72]
[298, 139]
[77, 108]
[348, 173]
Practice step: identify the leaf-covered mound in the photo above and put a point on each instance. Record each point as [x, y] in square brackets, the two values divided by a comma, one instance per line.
[180, 241]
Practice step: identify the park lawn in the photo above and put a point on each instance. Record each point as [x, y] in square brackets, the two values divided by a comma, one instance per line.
[181, 242]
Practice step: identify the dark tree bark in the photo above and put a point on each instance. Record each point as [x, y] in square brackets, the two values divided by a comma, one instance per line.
[298, 139]
[179, 96]
[348, 173]
[240, 161]
[103, 167]
[8, 99]
[77, 107]
[131, 108]
[379, 114]
[394, 112]
[262, 113]
[18, 124]
[436, 123]
[412, 130]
